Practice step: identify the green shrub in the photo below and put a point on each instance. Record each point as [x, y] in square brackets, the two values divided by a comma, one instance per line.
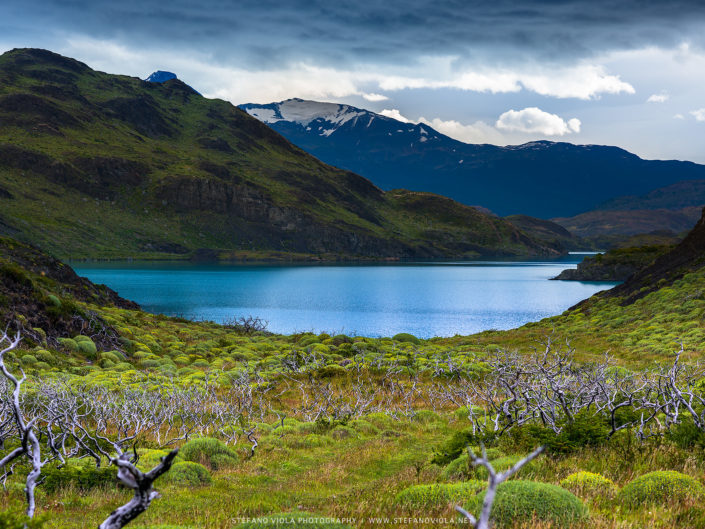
[44, 356]
[70, 344]
[54, 301]
[525, 501]
[585, 430]
[406, 337]
[188, 474]
[501, 464]
[687, 435]
[79, 474]
[151, 458]
[661, 487]
[460, 467]
[587, 485]
[28, 360]
[295, 520]
[458, 443]
[86, 346]
[210, 452]
[438, 493]
[10, 520]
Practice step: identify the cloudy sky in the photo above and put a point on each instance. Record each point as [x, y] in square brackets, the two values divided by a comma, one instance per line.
[621, 72]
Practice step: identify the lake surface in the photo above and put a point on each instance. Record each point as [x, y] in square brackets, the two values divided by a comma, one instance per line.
[424, 299]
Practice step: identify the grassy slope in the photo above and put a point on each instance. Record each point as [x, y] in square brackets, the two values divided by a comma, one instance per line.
[98, 165]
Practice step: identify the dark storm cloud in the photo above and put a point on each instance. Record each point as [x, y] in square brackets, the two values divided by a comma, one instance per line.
[267, 33]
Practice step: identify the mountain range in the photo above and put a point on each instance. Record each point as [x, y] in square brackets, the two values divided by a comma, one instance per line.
[542, 179]
[110, 166]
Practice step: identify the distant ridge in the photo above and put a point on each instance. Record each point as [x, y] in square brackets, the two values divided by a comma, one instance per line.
[542, 178]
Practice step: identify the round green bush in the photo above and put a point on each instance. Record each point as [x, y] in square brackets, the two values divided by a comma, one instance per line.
[69, 344]
[295, 520]
[28, 360]
[661, 487]
[438, 493]
[525, 501]
[55, 301]
[587, 485]
[44, 355]
[86, 346]
[188, 474]
[210, 452]
[406, 337]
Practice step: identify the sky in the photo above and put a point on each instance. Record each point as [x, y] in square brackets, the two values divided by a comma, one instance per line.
[619, 72]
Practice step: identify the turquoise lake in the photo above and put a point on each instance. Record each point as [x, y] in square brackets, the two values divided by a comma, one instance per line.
[424, 299]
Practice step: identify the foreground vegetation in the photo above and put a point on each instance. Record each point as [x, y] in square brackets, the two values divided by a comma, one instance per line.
[354, 431]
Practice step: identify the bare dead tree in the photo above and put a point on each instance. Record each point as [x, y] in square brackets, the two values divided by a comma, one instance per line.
[29, 444]
[141, 483]
[493, 481]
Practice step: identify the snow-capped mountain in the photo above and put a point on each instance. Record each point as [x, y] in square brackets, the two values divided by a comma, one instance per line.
[324, 119]
[541, 178]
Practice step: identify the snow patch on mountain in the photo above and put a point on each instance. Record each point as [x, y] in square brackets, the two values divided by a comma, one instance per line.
[305, 112]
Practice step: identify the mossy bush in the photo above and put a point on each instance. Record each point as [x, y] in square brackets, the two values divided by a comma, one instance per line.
[86, 346]
[28, 360]
[438, 493]
[188, 474]
[529, 501]
[406, 337]
[210, 452]
[661, 487]
[69, 344]
[295, 519]
[44, 356]
[589, 485]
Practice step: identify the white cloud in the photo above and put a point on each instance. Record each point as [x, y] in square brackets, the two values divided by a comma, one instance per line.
[658, 98]
[478, 132]
[585, 81]
[394, 114]
[698, 114]
[309, 81]
[375, 97]
[534, 120]
[678, 116]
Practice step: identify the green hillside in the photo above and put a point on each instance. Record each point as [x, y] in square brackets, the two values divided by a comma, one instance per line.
[109, 166]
